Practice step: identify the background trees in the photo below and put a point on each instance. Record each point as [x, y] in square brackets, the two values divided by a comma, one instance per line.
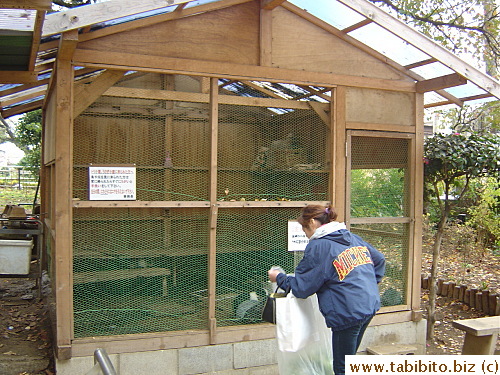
[452, 162]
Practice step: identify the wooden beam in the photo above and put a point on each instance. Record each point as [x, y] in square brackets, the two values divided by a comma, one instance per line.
[73, 19]
[266, 37]
[271, 4]
[17, 110]
[212, 240]
[62, 251]
[67, 45]
[26, 4]
[37, 36]
[23, 96]
[125, 92]
[321, 112]
[443, 82]
[24, 87]
[126, 61]
[263, 90]
[421, 63]
[424, 44]
[466, 99]
[86, 94]
[356, 26]
[8, 76]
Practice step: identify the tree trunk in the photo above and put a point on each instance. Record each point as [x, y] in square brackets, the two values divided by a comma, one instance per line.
[436, 250]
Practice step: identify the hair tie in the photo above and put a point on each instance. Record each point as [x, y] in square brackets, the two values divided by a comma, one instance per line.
[327, 210]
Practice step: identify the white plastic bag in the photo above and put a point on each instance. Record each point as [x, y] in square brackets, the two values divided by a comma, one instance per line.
[295, 326]
[304, 341]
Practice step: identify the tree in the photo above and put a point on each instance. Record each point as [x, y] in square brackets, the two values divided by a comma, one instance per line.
[464, 27]
[451, 161]
[28, 137]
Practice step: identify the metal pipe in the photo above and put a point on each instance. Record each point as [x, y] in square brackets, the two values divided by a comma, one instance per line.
[101, 357]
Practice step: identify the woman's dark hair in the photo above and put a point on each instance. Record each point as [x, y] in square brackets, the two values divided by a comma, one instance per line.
[324, 214]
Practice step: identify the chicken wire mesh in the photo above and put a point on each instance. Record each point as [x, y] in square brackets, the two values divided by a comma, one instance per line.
[139, 270]
[379, 188]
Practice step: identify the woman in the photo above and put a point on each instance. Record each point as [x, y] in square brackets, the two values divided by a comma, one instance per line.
[343, 270]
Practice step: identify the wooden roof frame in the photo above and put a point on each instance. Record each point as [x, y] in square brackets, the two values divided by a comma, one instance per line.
[82, 18]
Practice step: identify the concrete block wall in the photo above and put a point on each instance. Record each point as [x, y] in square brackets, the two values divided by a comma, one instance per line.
[242, 358]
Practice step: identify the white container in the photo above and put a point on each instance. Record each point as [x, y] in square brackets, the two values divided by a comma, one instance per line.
[15, 256]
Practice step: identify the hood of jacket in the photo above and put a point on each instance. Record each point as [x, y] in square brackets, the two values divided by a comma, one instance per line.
[332, 230]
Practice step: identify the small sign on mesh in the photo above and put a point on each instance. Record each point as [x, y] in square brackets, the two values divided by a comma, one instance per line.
[297, 239]
[112, 182]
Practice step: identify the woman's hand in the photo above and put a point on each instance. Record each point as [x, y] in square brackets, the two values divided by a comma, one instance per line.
[272, 273]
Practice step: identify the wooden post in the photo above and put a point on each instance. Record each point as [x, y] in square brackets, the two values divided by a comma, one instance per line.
[439, 286]
[472, 300]
[479, 301]
[337, 168]
[214, 119]
[467, 297]
[492, 304]
[63, 194]
[456, 292]
[461, 294]
[485, 306]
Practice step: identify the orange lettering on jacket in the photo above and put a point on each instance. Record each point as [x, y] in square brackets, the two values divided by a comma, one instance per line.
[351, 258]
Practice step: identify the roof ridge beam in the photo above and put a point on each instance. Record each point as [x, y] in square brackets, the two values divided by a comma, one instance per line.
[424, 44]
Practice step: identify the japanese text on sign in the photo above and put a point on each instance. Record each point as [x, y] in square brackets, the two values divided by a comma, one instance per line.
[297, 239]
[112, 183]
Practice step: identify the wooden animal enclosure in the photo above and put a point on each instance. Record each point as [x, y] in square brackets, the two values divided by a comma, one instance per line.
[230, 131]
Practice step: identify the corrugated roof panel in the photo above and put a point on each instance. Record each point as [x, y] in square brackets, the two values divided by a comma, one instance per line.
[333, 12]
[17, 19]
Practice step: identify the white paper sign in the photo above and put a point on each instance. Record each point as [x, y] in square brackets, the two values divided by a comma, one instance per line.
[297, 239]
[112, 183]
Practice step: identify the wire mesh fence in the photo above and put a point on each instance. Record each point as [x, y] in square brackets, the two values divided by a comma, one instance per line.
[146, 268]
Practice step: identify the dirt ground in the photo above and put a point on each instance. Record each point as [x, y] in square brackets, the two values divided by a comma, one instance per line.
[25, 331]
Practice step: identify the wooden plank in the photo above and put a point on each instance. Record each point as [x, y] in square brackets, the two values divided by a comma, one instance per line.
[27, 4]
[203, 98]
[267, 204]
[113, 275]
[416, 199]
[171, 340]
[424, 44]
[62, 251]
[466, 99]
[443, 82]
[139, 204]
[381, 220]
[67, 45]
[73, 19]
[212, 240]
[340, 159]
[37, 36]
[266, 37]
[380, 127]
[421, 63]
[9, 76]
[86, 94]
[263, 90]
[14, 99]
[20, 109]
[271, 4]
[356, 26]
[126, 61]
[321, 111]
[149, 21]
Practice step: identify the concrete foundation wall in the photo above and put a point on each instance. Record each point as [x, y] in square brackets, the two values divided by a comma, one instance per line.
[242, 358]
